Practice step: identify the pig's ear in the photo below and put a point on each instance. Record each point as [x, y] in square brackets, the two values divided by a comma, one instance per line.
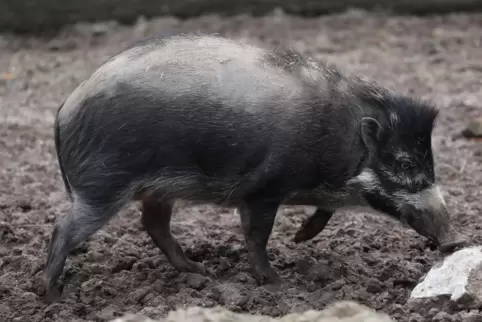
[370, 132]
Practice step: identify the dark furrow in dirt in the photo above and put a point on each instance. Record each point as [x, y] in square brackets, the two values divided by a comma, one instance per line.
[359, 256]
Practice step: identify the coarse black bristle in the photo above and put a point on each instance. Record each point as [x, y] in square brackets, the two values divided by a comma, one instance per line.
[413, 116]
[408, 116]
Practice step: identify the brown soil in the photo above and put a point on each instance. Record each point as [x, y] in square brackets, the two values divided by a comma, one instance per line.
[359, 256]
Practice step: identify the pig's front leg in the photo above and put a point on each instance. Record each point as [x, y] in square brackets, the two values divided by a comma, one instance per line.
[257, 219]
[313, 225]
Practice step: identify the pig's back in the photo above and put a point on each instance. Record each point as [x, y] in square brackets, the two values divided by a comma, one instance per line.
[228, 74]
[179, 105]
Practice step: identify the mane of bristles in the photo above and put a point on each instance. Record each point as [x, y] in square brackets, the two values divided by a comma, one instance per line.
[409, 116]
[405, 115]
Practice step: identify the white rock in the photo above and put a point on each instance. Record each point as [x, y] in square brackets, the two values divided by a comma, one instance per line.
[458, 275]
[342, 311]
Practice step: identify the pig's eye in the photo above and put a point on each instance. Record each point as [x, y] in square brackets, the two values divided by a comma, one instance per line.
[405, 164]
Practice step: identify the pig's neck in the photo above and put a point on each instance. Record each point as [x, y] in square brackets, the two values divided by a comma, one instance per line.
[328, 197]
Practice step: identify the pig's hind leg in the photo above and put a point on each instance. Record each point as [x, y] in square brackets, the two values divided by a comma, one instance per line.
[156, 219]
[313, 225]
[83, 219]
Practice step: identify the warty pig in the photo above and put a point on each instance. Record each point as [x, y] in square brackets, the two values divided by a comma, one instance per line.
[213, 120]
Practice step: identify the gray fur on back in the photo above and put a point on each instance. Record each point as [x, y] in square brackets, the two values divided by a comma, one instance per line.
[211, 119]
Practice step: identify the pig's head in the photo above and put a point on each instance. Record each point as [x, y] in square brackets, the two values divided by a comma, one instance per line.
[399, 176]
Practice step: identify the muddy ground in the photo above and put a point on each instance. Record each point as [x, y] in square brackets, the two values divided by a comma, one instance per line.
[359, 256]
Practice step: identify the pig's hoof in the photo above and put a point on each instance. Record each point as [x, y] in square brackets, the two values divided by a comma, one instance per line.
[52, 294]
[266, 276]
[301, 236]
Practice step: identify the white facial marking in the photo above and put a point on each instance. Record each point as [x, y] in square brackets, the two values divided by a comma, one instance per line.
[430, 198]
[367, 179]
[438, 196]
[402, 154]
[402, 179]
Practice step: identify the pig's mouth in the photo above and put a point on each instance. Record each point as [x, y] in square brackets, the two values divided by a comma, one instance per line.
[451, 247]
[426, 212]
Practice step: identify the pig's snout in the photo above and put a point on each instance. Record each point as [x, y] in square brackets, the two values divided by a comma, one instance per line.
[455, 243]
[427, 213]
[442, 232]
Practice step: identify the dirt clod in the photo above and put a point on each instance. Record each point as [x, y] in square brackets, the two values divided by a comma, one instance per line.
[196, 281]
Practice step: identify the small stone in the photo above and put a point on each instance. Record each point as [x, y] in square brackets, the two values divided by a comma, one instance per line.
[316, 271]
[473, 129]
[374, 286]
[231, 295]
[458, 276]
[398, 308]
[150, 311]
[140, 294]
[29, 296]
[442, 317]
[433, 312]
[208, 303]
[141, 27]
[25, 205]
[311, 287]
[96, 269]
[472, 317]
[304, 265]
[94, 29]
[123, 264]
[87, 288]
[196, 281]
[3, 250]
[326, 297]
[223, 264]
[6, 231]
[415, 317]
[107, 313]
[336, 285]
